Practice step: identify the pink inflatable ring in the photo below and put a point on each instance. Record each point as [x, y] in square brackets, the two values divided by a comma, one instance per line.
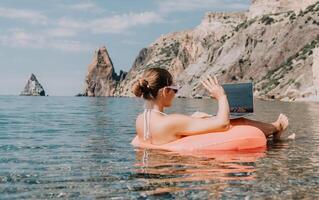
[239, 137]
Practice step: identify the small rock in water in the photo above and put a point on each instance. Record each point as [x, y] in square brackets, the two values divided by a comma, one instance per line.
[80, 95]
[33, 88]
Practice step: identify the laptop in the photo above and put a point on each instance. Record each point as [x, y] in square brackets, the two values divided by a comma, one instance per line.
[240, 99]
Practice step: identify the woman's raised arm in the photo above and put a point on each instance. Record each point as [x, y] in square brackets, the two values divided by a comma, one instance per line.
[184, 125]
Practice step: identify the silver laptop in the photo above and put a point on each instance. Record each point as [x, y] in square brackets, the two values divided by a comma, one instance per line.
[240, 99]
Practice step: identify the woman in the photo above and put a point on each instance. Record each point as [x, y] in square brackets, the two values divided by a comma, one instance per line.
[155, 127]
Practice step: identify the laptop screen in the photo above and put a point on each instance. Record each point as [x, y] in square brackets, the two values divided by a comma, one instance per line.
[240, 97]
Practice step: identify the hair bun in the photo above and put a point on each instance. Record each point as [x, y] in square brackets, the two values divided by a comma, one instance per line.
[141, 87]
[143, 84]
[152, 80]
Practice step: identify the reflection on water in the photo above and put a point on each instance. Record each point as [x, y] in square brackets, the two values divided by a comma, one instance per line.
[162, 170]
[78, 148]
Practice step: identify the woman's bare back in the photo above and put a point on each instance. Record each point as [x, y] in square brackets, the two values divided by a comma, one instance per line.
[158, 129]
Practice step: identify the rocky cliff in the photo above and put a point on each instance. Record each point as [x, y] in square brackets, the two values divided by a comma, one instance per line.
[275, 50]
[262, 7]
[33, 87]
[180, 50]
[101, 79]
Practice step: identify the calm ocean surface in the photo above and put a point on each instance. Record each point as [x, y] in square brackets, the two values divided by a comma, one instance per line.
[77, 147]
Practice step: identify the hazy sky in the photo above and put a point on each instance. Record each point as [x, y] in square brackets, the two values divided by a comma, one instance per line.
[56, 39]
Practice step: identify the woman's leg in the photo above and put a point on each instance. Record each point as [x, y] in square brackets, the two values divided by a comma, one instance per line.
[269, 129]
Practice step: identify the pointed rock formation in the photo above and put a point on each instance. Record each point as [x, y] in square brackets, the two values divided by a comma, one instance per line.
[33, 87]
[101, 79]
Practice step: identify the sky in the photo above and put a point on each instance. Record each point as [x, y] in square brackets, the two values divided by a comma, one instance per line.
[56, 39]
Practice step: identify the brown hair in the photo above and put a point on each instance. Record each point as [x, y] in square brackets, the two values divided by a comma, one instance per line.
[152, 80]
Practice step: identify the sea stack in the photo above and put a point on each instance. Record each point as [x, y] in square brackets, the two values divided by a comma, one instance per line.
[101, 79]
[33, 87]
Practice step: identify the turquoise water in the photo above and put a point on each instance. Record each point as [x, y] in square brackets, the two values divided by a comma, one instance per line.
[77, 147]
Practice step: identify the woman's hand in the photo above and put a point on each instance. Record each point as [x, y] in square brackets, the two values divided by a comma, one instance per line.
[215, 90]
[201, 115]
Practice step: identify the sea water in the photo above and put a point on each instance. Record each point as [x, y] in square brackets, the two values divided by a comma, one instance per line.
[79, 148]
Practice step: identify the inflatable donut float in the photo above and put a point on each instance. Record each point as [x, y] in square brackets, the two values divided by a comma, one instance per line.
[238, 137]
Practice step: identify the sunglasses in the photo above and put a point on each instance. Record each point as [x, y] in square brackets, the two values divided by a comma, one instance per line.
[173, 87]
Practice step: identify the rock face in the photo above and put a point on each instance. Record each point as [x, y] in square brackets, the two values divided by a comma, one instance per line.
[178, 51]
[33, 87]
[275, 51]
[262, 7]
[101, 79]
